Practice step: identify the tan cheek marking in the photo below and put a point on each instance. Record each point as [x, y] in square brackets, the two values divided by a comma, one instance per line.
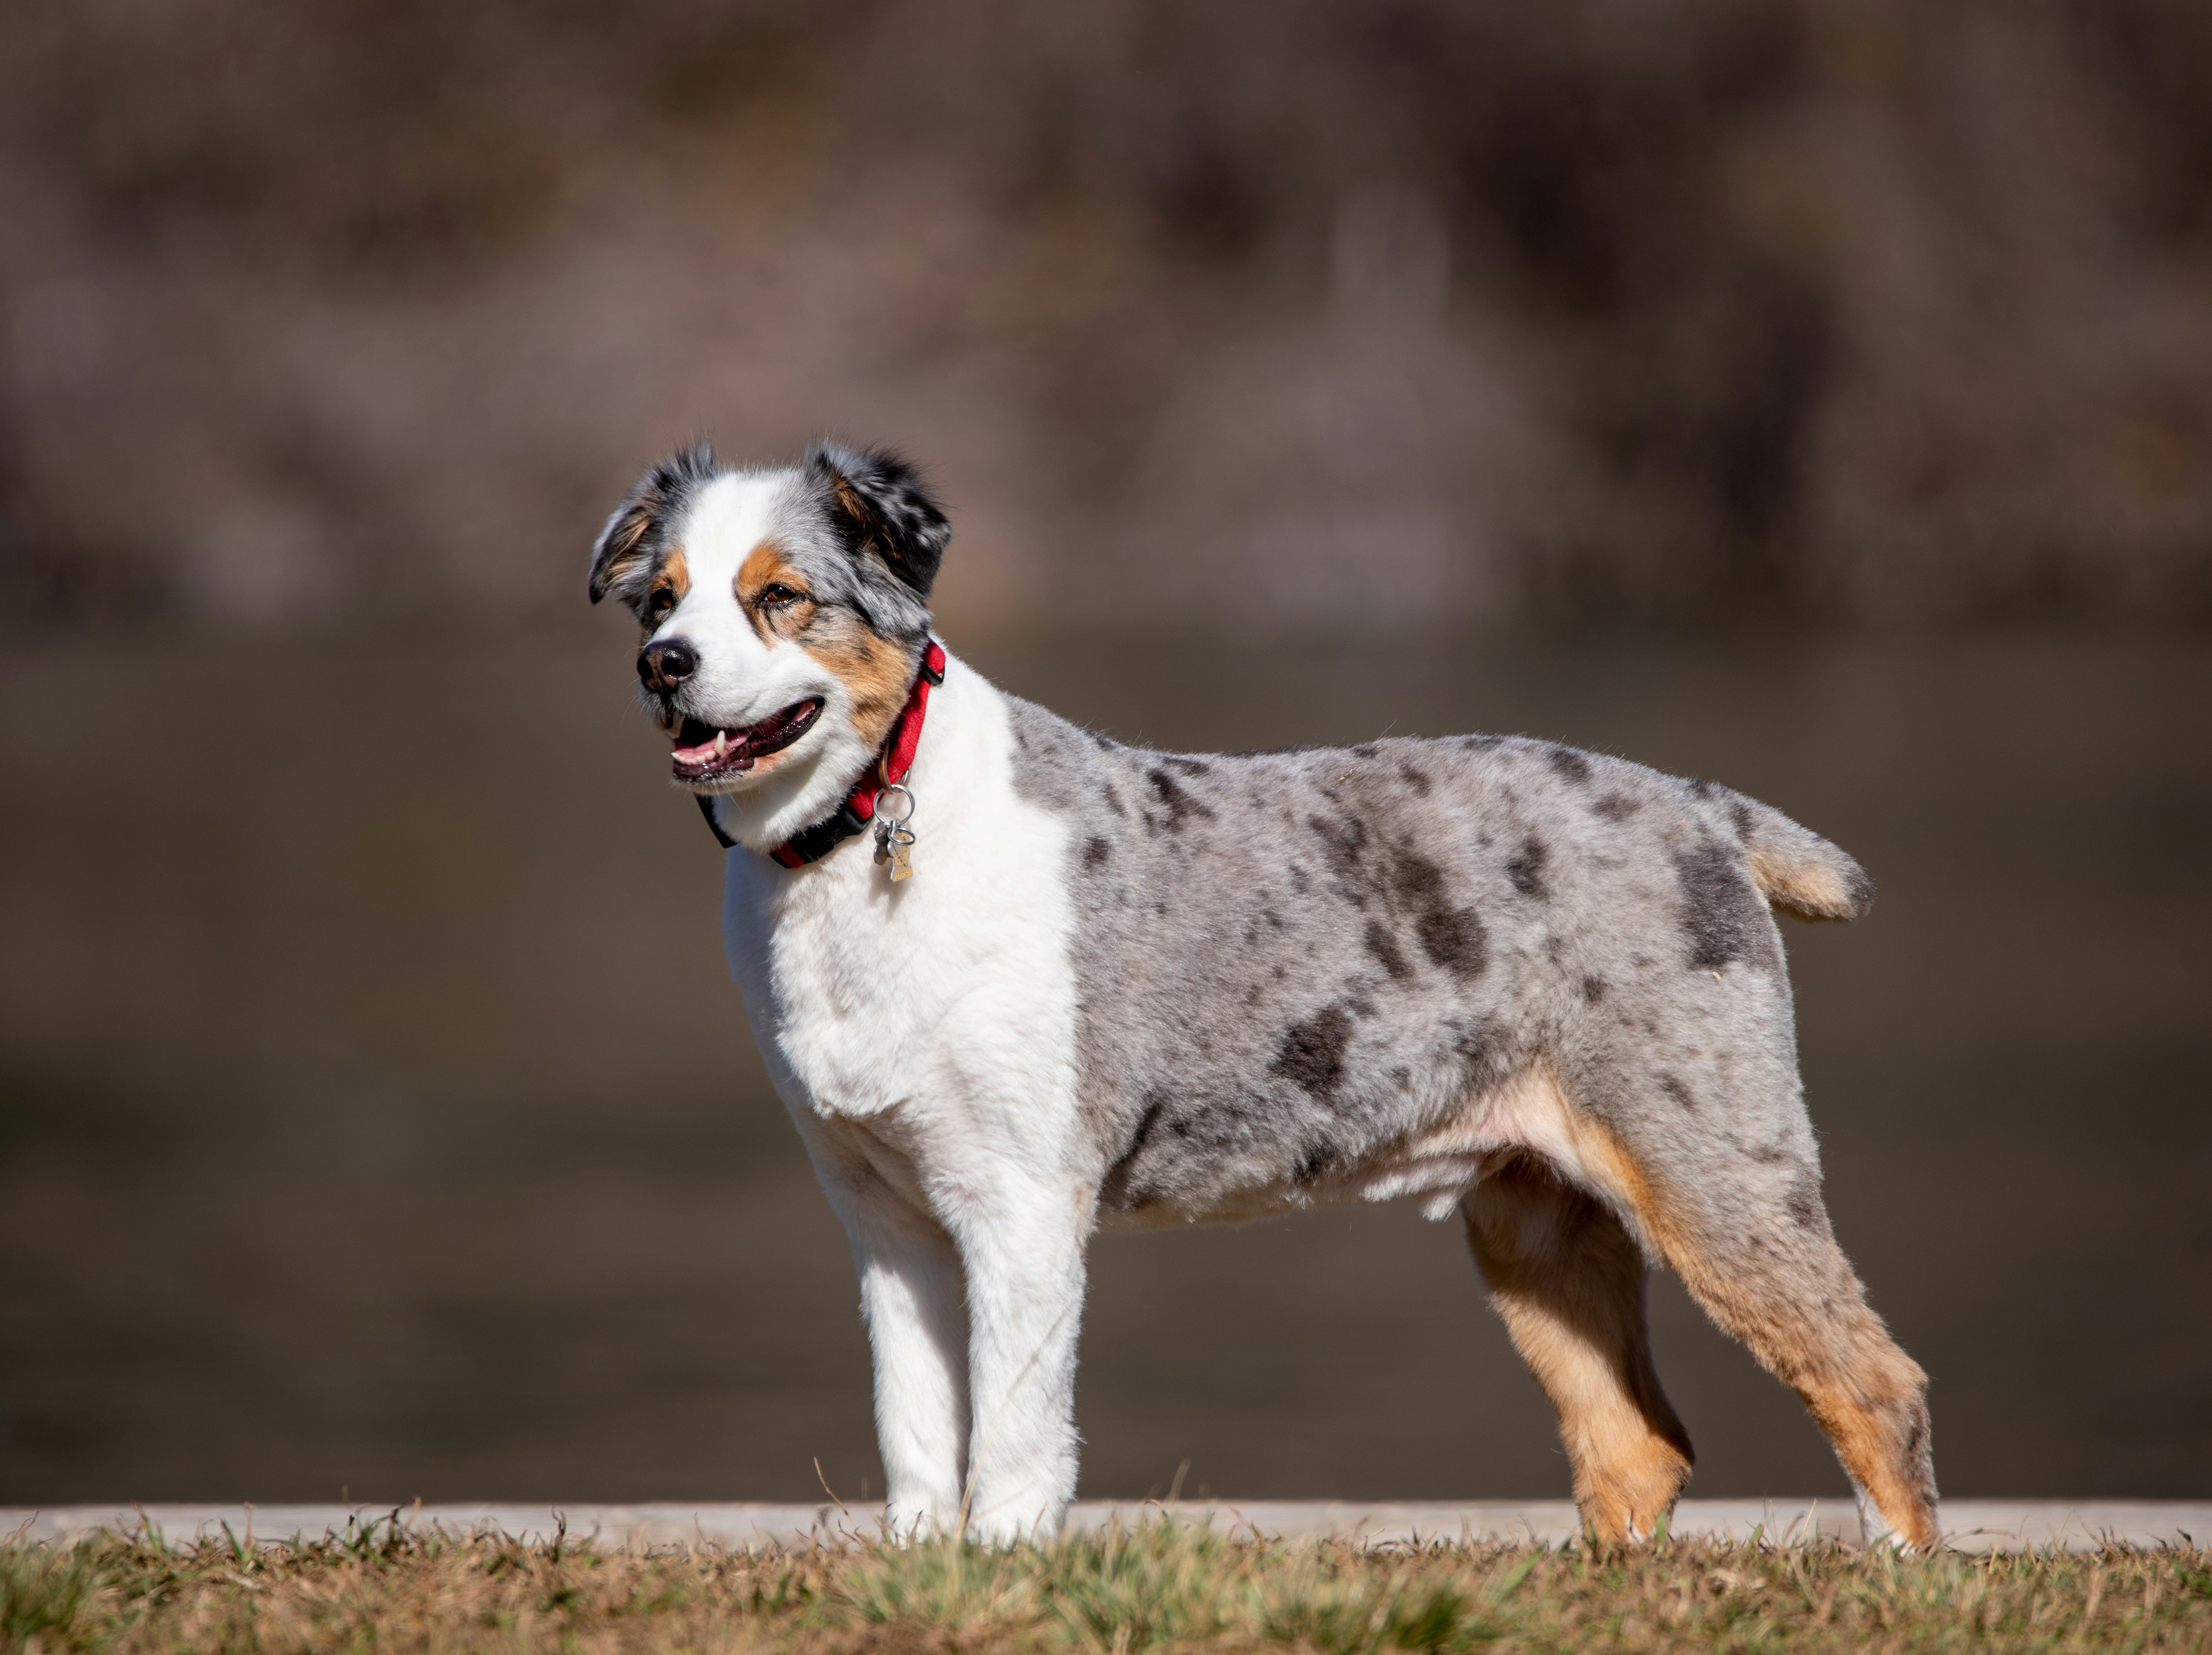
[877, 675]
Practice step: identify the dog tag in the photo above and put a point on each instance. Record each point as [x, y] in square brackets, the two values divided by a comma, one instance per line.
[894, 838]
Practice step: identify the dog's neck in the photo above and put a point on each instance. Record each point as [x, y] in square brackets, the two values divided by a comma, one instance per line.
[809, 791]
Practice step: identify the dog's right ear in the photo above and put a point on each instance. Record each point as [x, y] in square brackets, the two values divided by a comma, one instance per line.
[633, 533]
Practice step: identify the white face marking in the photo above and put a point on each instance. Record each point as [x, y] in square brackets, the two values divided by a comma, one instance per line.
[743, 677]
[740, 678]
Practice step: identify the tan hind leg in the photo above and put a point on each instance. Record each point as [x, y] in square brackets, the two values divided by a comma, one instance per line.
[1748, 1234]
[1569, 1281]
[1800, 1310]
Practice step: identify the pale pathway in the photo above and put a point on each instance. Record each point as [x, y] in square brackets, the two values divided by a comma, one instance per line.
[1970, 1525]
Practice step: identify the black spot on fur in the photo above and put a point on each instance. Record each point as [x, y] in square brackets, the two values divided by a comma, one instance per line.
[1453, 938]
[1570, 763]
[1614, 806]
[1105, 743]
[1456, 940]
[1703, 789]
[1313, 1161]
[1477, 743]
[1096, 850]
[1271, 917]
[1312, 1053]
[1112, 800]
[1181, 807]
[1679, 1091]
[1740, 813]
[1722, 917]
[1341, 843]
[1402, 1079]
[1417, 779]
[1802, 1203]
[1593, 990]
[1189, 766]
[1384, 947]
[1366, 749]
[1770, 1154]
[1526, 869]
[1301, 881]
[1418, 880]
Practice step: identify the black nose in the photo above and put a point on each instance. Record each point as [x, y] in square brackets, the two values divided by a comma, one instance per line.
[664, 665]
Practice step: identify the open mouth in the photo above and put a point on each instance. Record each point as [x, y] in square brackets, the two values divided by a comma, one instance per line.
[703, 753]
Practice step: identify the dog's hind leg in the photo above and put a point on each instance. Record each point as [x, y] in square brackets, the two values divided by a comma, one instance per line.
[1715, 1164]
[1569, 1281]
[1774, 1278]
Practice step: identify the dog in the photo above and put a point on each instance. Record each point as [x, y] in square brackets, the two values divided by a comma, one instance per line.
[1081, 986]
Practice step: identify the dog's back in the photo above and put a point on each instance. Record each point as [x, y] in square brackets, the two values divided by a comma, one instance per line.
[1291, 962]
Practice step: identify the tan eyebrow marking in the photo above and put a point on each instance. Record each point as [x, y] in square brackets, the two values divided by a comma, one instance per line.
[673, 577]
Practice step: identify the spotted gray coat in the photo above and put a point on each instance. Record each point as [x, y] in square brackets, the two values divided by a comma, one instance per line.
[1290, 962]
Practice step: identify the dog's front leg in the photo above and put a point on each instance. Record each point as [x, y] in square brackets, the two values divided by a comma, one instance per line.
[1022, 1243]
[910, 1297]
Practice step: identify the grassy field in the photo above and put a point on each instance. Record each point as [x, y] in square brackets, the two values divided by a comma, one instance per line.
[1155, 1588]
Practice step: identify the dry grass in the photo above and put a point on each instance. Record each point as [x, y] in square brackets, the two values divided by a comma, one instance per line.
[1156, 1587]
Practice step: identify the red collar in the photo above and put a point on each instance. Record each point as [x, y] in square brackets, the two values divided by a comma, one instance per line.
[859, 809]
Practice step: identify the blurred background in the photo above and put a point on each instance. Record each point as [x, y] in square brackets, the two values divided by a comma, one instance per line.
[1811, 394]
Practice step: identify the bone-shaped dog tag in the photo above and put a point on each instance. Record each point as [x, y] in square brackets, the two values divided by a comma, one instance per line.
[902, 841]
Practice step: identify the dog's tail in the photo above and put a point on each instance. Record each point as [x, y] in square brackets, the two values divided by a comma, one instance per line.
[1798, 871]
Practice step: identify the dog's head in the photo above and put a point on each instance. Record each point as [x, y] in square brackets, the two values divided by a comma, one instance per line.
[785, 613]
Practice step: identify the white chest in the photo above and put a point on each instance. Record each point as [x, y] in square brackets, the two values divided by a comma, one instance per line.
[952, 993]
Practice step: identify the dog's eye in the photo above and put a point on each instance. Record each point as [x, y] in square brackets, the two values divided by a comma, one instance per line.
[775, 594]
[660, 603]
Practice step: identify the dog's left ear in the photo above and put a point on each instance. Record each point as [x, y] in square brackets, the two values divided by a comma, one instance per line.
[879, 506]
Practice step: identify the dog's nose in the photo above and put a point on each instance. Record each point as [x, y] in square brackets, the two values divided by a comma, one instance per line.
[663, 665]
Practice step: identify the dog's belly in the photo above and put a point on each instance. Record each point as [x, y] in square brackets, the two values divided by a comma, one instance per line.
[1527, 1116]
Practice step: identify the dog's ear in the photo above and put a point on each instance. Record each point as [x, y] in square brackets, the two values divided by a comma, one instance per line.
[633, 533]
[879, 506]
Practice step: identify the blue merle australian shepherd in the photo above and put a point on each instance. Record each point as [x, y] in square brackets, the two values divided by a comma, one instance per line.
[1018, 982]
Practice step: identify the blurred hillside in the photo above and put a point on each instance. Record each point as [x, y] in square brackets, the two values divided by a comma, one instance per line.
[1335, 314]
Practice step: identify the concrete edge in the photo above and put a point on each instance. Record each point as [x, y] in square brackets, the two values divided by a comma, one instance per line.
[1970, 1526]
